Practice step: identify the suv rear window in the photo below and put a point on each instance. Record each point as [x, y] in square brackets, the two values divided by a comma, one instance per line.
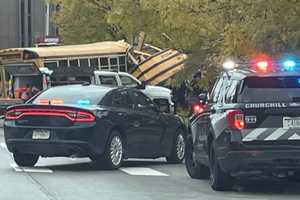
[270, 89]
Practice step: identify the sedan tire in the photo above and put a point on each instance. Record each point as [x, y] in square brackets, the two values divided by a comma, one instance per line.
[178, 149]
[25, 160]
[113, 153]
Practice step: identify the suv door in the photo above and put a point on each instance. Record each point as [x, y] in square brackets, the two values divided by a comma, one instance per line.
[201, 127]
[151, 124]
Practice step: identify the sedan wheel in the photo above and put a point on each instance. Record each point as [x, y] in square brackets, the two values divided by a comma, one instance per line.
[180, 147]
[116, 150]
[178, 150]
[113, 154]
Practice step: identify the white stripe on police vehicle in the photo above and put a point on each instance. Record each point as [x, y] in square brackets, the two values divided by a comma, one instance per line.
[264, 134]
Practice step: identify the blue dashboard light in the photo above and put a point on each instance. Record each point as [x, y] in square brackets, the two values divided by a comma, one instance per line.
[289, 65]
[298, 80]
[83, 102]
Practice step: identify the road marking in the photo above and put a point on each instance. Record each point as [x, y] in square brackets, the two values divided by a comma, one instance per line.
[276, 134]
[30, 169]
[254, 134]
[294, 137]
[142, 171]
[16, 168]
[3, 145]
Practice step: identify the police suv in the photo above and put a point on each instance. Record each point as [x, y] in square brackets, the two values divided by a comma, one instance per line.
[249, 127]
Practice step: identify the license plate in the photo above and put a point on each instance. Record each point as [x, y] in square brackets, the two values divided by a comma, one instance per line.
[41, 134]
[291, 122]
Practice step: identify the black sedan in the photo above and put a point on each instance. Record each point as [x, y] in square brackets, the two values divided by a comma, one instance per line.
[105, 124]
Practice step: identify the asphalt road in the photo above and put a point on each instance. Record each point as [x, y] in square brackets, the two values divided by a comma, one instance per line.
[78, 179]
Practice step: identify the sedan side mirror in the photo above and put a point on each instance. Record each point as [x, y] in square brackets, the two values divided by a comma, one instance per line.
[141, 86]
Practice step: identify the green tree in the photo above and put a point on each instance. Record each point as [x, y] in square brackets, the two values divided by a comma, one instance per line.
[209, 30]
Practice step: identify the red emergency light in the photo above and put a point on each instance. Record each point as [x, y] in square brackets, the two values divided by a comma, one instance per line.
[263, 63]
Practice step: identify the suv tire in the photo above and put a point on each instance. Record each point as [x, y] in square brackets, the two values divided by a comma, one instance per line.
[219, 180]
[195, 169]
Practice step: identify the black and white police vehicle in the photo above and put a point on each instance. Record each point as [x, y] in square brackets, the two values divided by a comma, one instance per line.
[249, 127]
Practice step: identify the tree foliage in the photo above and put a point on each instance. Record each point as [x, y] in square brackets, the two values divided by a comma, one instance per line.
[209, 30]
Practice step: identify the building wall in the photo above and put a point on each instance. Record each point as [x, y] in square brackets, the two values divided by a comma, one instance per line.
[22, 22]
[9, 23]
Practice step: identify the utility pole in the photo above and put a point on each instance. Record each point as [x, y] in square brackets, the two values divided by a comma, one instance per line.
[47, 26]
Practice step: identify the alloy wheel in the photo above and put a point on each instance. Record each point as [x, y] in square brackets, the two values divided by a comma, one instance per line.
[116, 150]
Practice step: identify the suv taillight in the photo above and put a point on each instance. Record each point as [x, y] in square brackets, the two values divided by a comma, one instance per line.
[197, 108]
[236, 119]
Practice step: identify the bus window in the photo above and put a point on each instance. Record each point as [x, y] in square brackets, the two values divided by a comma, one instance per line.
[114, 64]
[122, 63]
[63, 63]
[84, 62]
[104, 64]
[94, 62]
[51, 65]
[122, 60]
[74, 63]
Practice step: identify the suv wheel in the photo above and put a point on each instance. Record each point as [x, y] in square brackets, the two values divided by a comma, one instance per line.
[178, 149]
[219, 180]
[195, 169]
[25, 160]
[113, 154]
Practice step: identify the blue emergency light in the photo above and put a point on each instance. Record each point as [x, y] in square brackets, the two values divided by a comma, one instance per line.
[289, 65]
[84, 102]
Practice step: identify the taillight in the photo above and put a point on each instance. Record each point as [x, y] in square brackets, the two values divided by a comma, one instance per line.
[12, 114]
[72, 115]
[197, 108]
[85, 117]
[236, 119]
